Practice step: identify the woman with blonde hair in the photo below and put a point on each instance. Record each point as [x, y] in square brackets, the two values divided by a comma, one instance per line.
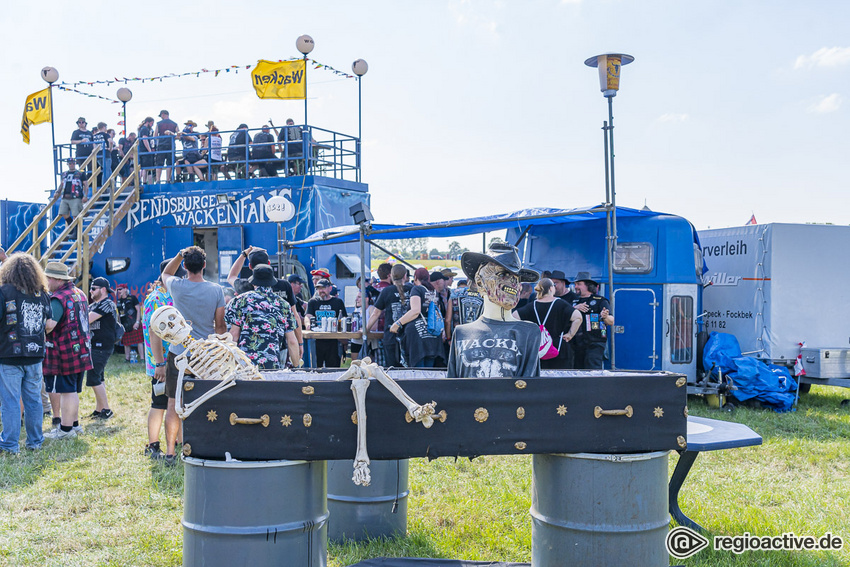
[558, 317]
[24, 311]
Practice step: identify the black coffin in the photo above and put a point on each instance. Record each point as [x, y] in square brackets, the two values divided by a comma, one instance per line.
[310, 416]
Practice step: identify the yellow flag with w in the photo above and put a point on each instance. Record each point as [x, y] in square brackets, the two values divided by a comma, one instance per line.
[36, 111]
[280, 79]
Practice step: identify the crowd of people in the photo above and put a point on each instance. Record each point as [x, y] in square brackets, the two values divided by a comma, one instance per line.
[202, 155]
[55, 336]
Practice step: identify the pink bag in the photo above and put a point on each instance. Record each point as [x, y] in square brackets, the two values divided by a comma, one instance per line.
[547, 350]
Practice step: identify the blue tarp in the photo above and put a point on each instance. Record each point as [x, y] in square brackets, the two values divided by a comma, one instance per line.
[769, 384]
[519, 220]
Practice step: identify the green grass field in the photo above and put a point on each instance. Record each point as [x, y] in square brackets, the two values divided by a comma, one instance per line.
[96, 501]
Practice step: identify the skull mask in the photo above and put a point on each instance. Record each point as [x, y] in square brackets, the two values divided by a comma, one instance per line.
[169, 325]
[498, 284]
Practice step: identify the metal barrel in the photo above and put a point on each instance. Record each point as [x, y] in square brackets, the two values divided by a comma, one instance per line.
[594, 509]
[360, 512]
[255, 513]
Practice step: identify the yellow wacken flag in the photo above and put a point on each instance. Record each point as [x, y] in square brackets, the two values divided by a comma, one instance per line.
[280, 79]
[36, 111]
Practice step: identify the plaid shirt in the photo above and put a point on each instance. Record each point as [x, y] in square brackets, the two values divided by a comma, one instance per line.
[69, 351]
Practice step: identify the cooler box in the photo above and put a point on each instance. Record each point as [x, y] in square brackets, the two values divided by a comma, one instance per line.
[826, 362]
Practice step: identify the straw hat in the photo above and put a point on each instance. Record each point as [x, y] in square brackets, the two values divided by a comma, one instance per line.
[57, 271]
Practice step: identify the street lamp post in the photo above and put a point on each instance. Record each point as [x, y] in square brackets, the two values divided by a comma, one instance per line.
[124, 95]
[609, 65]
[360, 67]
[50, 76]
[305, 45]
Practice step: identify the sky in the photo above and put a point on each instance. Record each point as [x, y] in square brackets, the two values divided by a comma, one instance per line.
[474, 107]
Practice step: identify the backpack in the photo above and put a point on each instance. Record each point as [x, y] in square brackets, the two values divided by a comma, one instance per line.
[435, 319]
[547, 350]
[119, 332]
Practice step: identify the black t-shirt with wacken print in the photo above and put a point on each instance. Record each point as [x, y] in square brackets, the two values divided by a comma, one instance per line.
[488, 348]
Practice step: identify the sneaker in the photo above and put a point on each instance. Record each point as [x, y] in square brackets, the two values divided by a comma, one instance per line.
[78, 429]
[170, 460]
[94, 415]
[59, 434]
[105, 414]
[153, 451]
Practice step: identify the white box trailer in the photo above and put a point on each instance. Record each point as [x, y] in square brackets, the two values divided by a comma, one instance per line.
[776, 285]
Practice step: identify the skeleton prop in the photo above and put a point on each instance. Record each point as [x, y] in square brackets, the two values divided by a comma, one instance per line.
[359, 373]
[498, 275]
[215, 358]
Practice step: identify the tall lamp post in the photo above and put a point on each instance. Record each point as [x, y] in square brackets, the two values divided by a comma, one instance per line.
[124, 95]
[50, 76]
[609, 65]
[360, 67]
[305, 45]
[362, 216]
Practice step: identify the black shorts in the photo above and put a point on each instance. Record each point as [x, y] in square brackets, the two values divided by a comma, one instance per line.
[171, 374]
[158, 402]
[99, 358]
[327, 353]
[192, 157]
[62, 384]
[146, 160]
[269, 168]
[165, 158]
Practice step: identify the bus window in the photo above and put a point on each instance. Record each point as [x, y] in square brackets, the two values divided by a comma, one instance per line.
[681, 329]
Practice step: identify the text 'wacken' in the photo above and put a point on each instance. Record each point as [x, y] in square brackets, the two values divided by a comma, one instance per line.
[274, 78]
[204, 210]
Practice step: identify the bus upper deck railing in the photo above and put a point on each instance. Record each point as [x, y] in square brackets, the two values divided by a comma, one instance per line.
[328, 154]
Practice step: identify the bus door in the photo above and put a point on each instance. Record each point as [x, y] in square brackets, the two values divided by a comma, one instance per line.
[634, 329]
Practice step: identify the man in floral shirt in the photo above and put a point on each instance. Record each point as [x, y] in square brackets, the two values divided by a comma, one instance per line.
[155, 361]
[260, 321]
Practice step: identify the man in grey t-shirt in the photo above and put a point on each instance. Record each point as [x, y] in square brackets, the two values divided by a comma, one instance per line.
[202, 304]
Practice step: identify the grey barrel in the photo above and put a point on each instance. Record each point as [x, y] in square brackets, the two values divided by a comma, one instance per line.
[594, 509]
[255, 513]
[360, 512]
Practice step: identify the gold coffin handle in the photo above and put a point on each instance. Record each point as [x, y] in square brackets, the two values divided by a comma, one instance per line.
[234, 419]
[599, 412]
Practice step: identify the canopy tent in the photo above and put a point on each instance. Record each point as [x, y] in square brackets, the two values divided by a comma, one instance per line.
[521, 220]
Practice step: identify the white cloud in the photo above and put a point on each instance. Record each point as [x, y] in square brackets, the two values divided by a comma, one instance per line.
[828, 103]
[672, 117]
[824, 57]
[468, 13]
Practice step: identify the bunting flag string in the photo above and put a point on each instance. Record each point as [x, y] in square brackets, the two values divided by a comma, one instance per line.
[71, 86]
[90, 95]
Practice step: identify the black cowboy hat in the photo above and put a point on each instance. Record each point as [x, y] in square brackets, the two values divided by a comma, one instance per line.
[263, 276]
[585, 277]
[559, 275]
[502, 254]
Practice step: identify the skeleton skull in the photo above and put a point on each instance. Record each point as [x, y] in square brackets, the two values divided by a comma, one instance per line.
[498, 284]
[169, 325]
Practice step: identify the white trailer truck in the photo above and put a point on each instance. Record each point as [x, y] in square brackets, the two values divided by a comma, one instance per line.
[775, 286]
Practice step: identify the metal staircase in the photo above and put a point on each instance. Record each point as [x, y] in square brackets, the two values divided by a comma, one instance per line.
[75, 244]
